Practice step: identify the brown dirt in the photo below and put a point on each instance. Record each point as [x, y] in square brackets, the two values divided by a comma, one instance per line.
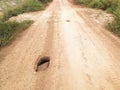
[83, 54]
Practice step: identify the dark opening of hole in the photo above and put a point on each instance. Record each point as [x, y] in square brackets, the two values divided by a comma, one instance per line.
[43, 63]
[67, 20]
[43, 60]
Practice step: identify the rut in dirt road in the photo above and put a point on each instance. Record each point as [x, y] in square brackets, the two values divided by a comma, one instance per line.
[80, 54]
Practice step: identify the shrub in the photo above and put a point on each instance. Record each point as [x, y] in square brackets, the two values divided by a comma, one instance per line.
[111, 6]
[85, 2]
[8, 30]
[115, 25]
[45, 1]
[27, 6]
[96, 4]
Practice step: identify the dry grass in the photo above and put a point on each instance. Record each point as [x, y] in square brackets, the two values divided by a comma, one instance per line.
[111, 6]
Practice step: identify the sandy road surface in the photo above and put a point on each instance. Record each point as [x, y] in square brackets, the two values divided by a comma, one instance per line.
[83, 55]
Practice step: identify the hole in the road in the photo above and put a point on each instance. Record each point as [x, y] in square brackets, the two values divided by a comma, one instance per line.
[67, 20]
[43, 63]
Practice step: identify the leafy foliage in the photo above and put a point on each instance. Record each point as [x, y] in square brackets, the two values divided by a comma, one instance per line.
[111, 6]
[27, 6]
[8, 30]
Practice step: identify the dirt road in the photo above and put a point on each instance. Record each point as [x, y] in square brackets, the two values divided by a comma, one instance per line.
[83, 55]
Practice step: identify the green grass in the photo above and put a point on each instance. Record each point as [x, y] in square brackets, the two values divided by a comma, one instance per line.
[27, 6]
[22, 6]
[5, 4]
[45, 1]
[115, 25]
[9, 30]
[111, 6]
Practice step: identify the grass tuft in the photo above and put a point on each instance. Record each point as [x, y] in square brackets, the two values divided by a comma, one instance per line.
[111, 6]
[27, 6]
[9, 30]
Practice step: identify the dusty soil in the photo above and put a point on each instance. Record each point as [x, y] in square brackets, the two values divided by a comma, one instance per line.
[97, 16]
[27, 16]
[1, 14]
[83, 54]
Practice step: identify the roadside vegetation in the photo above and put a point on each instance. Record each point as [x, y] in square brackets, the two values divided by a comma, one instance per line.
[8, 9]
[25, 6]
[111, 6]
[9, 30]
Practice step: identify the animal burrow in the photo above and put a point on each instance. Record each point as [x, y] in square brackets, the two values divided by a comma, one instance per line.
[67, 20]
[42, 63]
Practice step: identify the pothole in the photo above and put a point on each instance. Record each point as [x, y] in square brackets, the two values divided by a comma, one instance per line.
[42, 63]
[67, 20]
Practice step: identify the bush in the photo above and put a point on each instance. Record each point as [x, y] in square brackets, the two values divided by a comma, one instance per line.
[97, 4]
[85, 2]
[115, 25]
[8, 30]
[111, 6]
[27, 6]
[45, 1]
